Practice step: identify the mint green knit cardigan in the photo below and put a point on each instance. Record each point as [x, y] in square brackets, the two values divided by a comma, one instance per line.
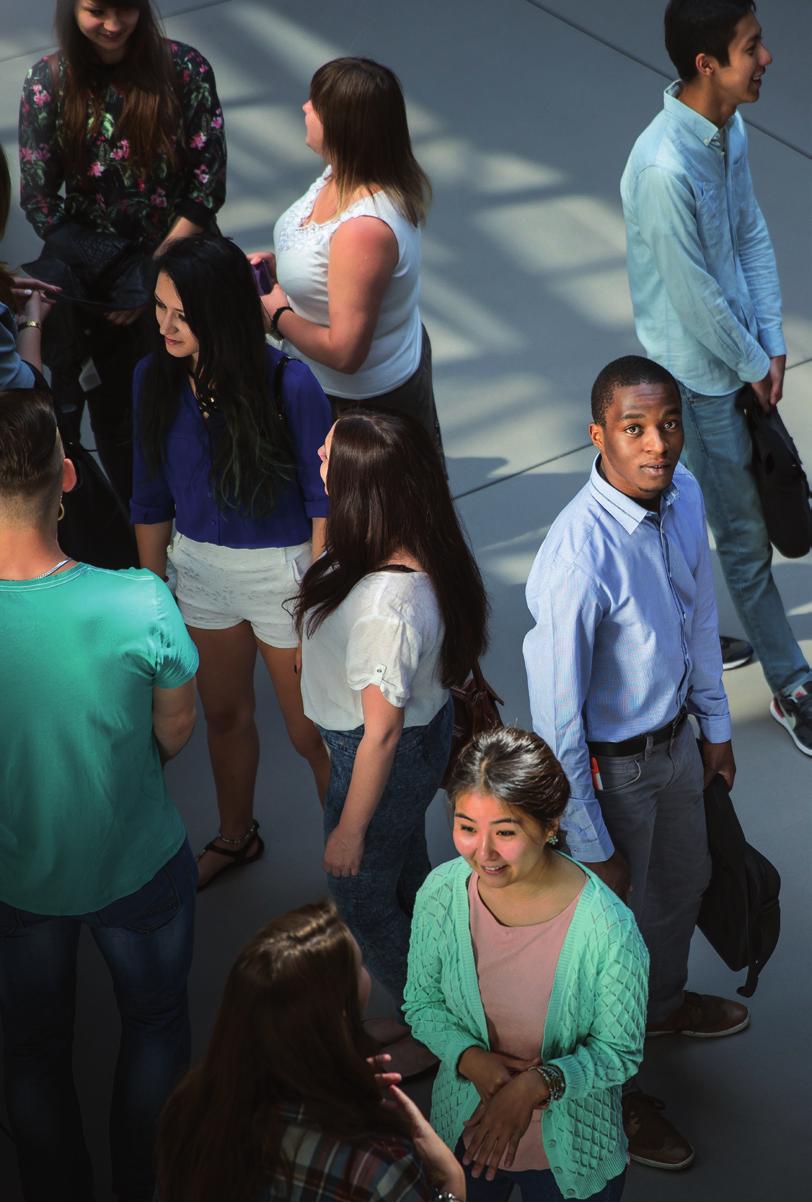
[594, 1030]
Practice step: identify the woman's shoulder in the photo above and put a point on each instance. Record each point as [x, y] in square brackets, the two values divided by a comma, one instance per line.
[400, 597]
[43, 70]
[186, 58]
[443, 881]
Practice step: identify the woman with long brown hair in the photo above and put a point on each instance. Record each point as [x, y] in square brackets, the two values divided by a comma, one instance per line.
[129, 126]
[391, 616]
[285, 1105]
[347, 252]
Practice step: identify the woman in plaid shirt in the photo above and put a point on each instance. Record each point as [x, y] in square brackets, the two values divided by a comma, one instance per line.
[285, 1105]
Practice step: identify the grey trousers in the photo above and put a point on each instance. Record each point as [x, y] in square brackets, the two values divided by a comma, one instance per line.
[653, 808]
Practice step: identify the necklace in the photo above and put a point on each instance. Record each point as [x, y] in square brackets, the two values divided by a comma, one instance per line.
[50, 571]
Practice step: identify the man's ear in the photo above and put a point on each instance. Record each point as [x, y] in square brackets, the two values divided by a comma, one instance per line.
[596, 434]
[68, 476]
[705, 65]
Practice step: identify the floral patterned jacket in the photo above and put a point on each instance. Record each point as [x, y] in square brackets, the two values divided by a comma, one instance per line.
[109, 194]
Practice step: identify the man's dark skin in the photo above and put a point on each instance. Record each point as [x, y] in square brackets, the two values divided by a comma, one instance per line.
[640, 444]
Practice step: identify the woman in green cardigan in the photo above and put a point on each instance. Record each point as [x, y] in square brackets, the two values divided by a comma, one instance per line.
[528, 980]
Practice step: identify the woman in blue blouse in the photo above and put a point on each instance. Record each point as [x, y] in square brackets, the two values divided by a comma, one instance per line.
[226, 444]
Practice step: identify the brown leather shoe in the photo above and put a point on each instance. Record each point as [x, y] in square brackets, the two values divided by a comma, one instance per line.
[653, 1140]
[703, 1016]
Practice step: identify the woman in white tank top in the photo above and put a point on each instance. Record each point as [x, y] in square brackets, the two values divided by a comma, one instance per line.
[347, 252]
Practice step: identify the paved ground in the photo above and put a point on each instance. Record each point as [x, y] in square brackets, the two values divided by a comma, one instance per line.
[523, 114]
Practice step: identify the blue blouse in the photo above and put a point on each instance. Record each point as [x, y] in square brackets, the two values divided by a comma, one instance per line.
[181, 488]
[14, 371]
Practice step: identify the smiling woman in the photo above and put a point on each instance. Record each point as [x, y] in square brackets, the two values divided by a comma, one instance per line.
[527, 978]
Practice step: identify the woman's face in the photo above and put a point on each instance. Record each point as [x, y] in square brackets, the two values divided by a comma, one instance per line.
[107, 26]
[179, 340]
[503, 845]
[324, 456]
[314, 130]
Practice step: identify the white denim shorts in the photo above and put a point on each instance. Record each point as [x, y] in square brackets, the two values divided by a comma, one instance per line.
[219, 587]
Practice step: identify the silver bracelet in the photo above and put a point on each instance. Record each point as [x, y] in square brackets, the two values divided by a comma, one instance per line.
[553, 1077]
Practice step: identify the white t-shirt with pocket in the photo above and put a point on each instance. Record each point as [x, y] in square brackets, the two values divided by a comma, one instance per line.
[388, 631]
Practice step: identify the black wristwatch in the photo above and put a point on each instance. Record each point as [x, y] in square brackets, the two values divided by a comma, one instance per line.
[275, 319]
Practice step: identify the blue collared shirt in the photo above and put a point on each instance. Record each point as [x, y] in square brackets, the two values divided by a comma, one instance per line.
[702, 271]
[181, 488]
[626, 633]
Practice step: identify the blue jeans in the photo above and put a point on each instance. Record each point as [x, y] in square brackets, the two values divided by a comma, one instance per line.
[146, 940]
[718, 451]
[535, 1185]
[377, 904]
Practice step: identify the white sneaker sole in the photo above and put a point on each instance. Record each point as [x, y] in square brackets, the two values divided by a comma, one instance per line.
[742, 1026]
[729, 665]
[787, 725]
[659, 1164]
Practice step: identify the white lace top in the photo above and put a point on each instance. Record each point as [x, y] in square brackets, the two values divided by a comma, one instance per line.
[388, 631]
[302, 256]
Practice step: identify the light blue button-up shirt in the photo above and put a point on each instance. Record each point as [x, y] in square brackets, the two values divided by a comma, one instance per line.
[702, 271]
[626, 633]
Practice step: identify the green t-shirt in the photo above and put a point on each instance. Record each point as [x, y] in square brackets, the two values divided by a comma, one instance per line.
[85, 818]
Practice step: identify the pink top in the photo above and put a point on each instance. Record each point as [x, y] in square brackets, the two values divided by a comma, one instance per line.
[516, 968]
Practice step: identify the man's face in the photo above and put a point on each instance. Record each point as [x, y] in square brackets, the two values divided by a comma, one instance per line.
[641, 442]
[748, 58]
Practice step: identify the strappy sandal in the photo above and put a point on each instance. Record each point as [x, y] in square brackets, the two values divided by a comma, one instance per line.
[239, 857]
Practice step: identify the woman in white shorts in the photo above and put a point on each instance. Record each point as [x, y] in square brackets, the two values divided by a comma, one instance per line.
[227, 432]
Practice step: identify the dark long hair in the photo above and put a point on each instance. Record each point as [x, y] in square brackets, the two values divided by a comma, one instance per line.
[151, 116]
[388, 492]
[6, 295]
[253, 457]
[289, 1030]
[366, 135]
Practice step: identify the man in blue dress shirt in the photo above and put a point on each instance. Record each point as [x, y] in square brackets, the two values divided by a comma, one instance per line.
[625, 646]
[707, 305]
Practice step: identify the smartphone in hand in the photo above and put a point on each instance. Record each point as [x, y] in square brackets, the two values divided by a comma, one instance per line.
[262, 277]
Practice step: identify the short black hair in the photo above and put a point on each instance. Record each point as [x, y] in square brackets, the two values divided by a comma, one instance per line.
[626, 373]
[30, 450]
[695, 27]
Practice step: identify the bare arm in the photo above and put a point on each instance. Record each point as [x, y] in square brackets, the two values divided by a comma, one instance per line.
[383, 724]
[318, 539]
[173, 718]
[363, 255]
[153, 541]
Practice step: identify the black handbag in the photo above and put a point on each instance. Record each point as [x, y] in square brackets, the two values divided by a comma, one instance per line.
[740, 915]
[780, 479]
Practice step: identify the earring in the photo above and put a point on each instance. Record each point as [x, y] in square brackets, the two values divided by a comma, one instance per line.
[553, 840]
[61, 513]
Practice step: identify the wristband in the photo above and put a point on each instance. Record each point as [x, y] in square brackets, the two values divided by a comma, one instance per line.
[275, 319]
[553, 1078]
[29, 324]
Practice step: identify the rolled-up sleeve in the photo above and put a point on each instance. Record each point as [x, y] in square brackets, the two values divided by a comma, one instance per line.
[152, 499]
[558, 660]
[309, 420]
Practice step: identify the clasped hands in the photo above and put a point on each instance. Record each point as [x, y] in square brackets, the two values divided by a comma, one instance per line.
[508, 1096]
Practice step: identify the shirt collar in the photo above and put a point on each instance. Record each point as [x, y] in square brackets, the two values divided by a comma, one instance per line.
[622, 508]
[708, 133]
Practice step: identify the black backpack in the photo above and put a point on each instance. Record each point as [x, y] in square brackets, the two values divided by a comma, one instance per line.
[780, 480]
[740, 914]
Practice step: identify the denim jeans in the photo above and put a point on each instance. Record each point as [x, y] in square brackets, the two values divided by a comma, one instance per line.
[535, 1185]
[146, 940]
[377, 904]
[718, 451]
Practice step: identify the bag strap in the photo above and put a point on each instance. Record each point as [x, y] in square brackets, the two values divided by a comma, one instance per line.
[482, 684]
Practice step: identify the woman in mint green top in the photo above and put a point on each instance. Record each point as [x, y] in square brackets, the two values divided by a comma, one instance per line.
[528, 979]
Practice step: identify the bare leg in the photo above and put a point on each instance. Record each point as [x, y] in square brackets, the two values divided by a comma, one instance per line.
[225, 681]
[302, 733]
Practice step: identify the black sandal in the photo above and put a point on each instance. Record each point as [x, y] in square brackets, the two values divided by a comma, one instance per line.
[239, 858]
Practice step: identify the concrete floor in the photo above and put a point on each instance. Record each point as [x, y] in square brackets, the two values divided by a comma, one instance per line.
[523, 114]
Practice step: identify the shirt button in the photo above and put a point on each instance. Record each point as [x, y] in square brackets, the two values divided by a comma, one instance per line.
[550, 1143]
[570, 1193]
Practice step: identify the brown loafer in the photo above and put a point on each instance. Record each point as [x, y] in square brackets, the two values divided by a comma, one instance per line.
[703, 1016]
[653, 1140]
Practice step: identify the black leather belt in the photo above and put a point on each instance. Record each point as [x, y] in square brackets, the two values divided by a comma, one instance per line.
[637, 744]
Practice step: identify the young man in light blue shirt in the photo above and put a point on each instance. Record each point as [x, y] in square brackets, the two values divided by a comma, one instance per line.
[625, 646]
[707, 305]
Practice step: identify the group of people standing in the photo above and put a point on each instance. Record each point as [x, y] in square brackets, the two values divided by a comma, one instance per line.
[295, 497]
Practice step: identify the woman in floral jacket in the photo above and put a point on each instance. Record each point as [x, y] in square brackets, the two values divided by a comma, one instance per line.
[121, 133]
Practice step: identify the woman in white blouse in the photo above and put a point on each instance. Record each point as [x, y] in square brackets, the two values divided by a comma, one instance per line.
[347, 253]
[390, 617]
